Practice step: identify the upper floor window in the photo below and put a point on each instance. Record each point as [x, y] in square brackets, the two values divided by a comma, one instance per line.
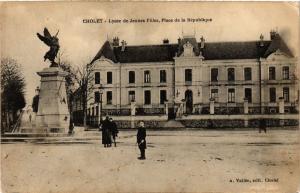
[286, 94]
[188, 75]
[248, 94]
[147, 78]
[272, 93]
[214, 94]
[272, 73]
[214, 74]
[163, 76]
[231, 95]
[147, 97]
[131, 77]
[230, 74]
[97, 77]
[131, 96]
[109, 77]
[163, 96]
[109, 97]
[285, 73]
[247, 73]
[97, 97]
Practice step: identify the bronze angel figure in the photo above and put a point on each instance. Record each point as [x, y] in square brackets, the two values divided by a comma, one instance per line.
[52, 42]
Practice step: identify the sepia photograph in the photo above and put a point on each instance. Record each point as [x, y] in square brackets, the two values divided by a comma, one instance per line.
[149, 97]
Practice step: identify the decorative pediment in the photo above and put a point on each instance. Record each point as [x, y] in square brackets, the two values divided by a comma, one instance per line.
[278, 55]
[102, 61]
[188, 49]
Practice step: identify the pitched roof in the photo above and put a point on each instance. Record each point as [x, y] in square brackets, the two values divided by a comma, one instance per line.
[211, 51]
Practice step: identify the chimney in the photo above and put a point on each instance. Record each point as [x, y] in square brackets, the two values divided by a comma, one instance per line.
[261, 43]
[123, 45]
[179, 41]
[202, 42]
[273, 34]
[115, 42]
[165, 41]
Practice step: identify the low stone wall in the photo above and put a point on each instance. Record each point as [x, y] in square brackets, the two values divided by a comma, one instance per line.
[148, 124]
[237, 123]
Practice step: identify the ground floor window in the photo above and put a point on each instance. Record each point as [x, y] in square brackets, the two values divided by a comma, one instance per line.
[163, 96]
[147, 97]
[214, 94]
[109, 97]
[231, 95]
[272, 95]
[248, 94]
[286, 94]
[131, 96]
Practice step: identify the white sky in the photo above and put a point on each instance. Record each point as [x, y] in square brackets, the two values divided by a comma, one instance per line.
[80, 42]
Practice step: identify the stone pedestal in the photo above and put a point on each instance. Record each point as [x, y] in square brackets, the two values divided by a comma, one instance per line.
[281, 105]
[211, 106]
[132, 117]
[166, 108]
[246, 106]
[53, 114]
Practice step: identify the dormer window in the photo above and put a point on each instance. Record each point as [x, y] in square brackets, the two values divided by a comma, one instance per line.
[188, 49]
[147, 78]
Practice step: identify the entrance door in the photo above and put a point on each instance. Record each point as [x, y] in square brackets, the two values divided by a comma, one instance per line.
[189, 101]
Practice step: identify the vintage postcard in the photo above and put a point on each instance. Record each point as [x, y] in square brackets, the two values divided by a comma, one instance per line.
[149, 97]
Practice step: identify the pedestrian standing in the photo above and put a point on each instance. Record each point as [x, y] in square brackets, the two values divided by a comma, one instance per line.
[262, 125]
[106, 136]
[114, 131]
[141, 140]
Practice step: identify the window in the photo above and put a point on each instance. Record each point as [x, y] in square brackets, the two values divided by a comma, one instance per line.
[247, 73]
[163, 76]
[188, 75]
[147, 97]
[272, 73]
[147, 78]
[163, 96]
[285, 73]
[109, 97]
[97, 77]
[131, 77]
[214, 94]
[248, 94]
[214, 74]
[97, 97]
[230, 74]
[231, 95]
[89, 112]
[109, 77]
[131, 96]
[97, 110]
[93, 111]
[272, 95]
[286, 94]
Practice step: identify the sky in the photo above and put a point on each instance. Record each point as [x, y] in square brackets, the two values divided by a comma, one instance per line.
[79, 41]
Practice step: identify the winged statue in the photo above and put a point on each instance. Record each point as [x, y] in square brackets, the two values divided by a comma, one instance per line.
[52, 42]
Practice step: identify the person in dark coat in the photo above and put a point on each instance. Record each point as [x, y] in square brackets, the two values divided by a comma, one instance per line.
[262, 125]
[141, 140]
[106, 136]
[114, 131]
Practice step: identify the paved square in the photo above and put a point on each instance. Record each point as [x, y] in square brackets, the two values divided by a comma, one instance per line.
[177, 161]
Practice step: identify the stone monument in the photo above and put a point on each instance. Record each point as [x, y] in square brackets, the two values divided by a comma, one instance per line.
[53, 114]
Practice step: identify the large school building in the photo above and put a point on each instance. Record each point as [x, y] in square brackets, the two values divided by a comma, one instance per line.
[194, 80]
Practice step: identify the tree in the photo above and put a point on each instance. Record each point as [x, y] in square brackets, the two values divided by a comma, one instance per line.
[12, 92]
[79, 81]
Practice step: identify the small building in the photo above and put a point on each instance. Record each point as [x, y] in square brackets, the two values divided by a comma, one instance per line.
[194, 78]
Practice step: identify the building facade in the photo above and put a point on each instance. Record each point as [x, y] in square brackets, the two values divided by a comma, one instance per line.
[194, 78]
